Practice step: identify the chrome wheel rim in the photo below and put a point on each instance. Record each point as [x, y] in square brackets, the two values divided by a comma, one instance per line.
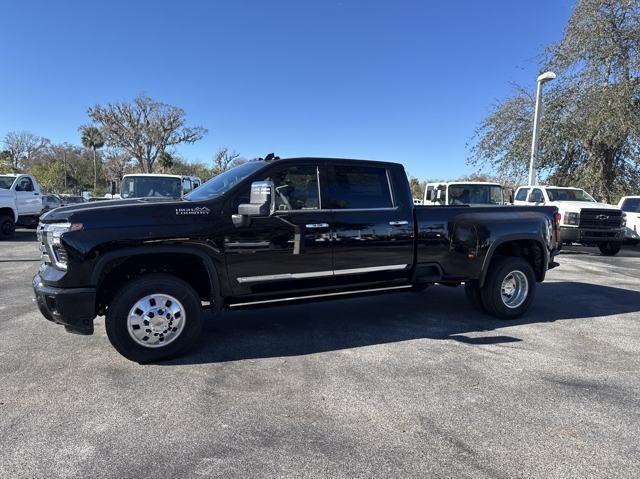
[156, 320]
[514, 289]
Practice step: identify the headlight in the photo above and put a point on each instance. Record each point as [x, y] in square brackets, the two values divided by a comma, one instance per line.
[624, 220]
[53, 251]
[571, 219]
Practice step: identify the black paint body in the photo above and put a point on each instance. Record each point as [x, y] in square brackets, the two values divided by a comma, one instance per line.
[357, 249]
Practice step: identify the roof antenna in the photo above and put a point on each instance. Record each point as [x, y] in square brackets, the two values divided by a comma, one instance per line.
[271, 157]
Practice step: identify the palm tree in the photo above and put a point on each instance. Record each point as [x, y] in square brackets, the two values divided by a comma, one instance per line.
[92, 138]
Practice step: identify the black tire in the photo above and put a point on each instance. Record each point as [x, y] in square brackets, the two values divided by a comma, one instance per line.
[118, 315]
[491, 294]
[472, 292]
[7, 227]
[611, 248]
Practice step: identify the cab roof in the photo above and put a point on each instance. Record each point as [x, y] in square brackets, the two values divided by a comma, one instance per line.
[551, 186]
[159, 175]
[325, 158]
[492, 183]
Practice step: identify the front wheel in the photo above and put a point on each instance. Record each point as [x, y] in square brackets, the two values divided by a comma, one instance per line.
[154, 317]
[509, 287]
[7, 227]
[611, 248]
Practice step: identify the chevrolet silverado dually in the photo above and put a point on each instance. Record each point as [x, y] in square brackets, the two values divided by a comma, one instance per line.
[278, 230]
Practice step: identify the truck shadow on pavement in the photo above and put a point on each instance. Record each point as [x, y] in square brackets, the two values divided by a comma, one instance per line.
[24, 236]
[438, 313]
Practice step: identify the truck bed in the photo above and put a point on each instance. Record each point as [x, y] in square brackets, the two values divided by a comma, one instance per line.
[453, 241]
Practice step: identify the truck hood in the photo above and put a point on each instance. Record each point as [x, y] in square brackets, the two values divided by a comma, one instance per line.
[127, 213]
[579, 205]
[6, 193]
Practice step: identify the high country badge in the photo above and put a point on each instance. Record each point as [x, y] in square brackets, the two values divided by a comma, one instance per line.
[198, 210]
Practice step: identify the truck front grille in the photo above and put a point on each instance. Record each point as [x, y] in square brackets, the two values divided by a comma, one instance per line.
[600, 219]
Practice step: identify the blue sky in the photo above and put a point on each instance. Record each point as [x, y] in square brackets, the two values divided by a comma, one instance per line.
[404, 81]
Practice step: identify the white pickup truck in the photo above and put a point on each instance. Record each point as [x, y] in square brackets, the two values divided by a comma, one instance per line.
[474, 193]
[583, 219]
[20, 202]
[630, 205]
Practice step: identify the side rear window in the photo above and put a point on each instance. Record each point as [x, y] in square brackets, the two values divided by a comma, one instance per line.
[429, 190]
[358, 187]
[631, 205]
[537, 196]
[522, 194]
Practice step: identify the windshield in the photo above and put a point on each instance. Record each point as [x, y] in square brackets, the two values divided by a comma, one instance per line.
[631, 205]
[219, 185]
[6, 182]
[467, 194]
[558, 194]
[151, 186]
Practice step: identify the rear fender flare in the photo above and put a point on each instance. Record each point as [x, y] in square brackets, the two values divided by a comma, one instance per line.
[507, 239]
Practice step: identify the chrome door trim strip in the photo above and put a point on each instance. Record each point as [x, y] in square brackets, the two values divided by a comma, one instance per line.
[398, 223]
[312, 296]
[316, 274]
[277, 277]
[370, 269]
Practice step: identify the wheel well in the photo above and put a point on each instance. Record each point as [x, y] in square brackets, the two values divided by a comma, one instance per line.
[8, 212]
[190, 268]
[530, 250]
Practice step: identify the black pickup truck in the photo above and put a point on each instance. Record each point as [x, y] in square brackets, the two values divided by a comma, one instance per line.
[275, 230]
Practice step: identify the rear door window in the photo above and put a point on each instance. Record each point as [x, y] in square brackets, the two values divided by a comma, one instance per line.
[358, 187]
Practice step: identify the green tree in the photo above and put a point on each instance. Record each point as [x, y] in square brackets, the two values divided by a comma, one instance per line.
[92, 138]
[417, 187]
[143, 128]
[165, 160]
[50, 175]
[590, 128]
[5, 160]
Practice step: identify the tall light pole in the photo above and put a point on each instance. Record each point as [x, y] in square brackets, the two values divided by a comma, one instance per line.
[542, 79]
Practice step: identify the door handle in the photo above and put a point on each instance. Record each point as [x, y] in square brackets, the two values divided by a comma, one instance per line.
[399, 223]
[316, 225]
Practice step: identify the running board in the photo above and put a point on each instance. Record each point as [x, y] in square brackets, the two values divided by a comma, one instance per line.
[318, 296]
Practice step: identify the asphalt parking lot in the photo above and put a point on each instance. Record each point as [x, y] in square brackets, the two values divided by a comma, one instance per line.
[404, 385]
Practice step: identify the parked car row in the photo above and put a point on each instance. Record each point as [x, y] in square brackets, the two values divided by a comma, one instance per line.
[22, 202]
[583, 219]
